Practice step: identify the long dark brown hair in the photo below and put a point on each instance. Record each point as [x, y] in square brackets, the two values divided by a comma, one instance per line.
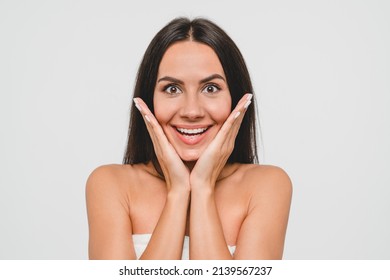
[139, 145]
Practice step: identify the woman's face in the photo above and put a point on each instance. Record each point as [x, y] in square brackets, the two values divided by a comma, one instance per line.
[191, 97]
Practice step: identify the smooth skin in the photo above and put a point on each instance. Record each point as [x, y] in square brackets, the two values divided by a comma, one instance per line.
[215, 203]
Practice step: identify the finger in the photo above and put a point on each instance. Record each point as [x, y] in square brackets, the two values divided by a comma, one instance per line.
[239, 116]
[154, 128]
[165, 152]
[242, 105]
[233, 122]
[150, 120]
[171, 165]
[145, 113]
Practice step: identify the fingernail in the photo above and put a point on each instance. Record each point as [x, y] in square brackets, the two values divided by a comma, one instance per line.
[147, 118]
[137, 104]
[138, 107]
[237, 114]
[247, 104]
[249, 97]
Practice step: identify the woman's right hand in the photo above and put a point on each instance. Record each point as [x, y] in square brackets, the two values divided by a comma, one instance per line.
[175, 172]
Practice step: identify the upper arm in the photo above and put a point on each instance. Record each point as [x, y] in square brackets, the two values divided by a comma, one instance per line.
[108, 216]
[263, 231]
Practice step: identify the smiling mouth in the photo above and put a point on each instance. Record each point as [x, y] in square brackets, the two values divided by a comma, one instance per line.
[191, 132]
[192, 136]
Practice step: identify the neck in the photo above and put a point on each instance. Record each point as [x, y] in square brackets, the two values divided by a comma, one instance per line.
[227, 170]
[190, 164]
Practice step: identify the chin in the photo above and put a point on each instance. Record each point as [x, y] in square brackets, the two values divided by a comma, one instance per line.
[189, 156]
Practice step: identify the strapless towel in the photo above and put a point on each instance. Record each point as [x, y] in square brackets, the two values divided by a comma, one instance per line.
[141, 241]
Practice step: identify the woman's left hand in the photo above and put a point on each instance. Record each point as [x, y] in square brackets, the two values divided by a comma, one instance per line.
[213, 159]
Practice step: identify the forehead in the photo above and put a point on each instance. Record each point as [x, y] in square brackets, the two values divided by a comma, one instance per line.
[190, 59]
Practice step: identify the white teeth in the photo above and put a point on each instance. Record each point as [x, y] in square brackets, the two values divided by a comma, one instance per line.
[192, 131]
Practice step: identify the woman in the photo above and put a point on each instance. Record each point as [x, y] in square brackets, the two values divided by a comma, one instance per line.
[190, 187]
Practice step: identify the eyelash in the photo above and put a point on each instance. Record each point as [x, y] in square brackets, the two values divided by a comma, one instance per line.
[165, 88]
[212, 85]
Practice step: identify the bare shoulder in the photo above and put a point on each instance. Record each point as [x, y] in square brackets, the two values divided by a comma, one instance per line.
[105, 183]
[108, 212]
[113, 176]
[118, 181]
[269, 190]
[105, 172]
[111, 171]
[267, 180]
[268, 175]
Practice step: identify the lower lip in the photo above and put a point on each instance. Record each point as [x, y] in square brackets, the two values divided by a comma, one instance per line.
[191, 139]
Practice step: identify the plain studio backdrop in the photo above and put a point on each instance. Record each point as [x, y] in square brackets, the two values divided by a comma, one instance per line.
[321, 73]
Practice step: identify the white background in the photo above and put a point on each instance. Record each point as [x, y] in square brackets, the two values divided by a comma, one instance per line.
[321, 72]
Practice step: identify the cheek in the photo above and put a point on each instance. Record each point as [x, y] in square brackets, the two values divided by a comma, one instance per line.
[219, 111]
[161, 116]
[162, 110]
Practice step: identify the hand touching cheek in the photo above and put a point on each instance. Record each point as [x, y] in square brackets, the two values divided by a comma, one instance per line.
[215, 156]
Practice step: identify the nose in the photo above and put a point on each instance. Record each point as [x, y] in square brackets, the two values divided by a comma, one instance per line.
[192, 108]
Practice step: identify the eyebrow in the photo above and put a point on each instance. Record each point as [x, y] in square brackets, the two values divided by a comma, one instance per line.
[180, 82]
